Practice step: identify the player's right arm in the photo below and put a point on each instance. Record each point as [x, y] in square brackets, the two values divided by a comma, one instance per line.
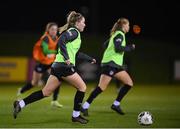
[118, 44]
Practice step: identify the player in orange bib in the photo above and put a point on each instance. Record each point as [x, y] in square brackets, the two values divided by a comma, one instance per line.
[44, 53]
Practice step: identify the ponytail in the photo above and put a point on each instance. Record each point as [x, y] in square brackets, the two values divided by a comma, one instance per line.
[63, 28]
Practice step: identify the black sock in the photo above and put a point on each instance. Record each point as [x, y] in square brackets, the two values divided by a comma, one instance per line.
[26, 87]
[78, 100]
[34, 97]
[55, 95]
[123, 91]
[94, 94]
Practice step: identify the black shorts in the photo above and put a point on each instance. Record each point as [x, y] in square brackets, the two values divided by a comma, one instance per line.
[41, 68]
[110, 71]
[62, 70]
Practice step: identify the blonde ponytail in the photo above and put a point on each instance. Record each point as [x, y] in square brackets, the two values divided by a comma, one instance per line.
[114, 28]
[71, 14]
[63, 28]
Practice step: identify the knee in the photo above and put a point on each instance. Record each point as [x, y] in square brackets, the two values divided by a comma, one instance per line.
[82, 88]
[46, 93]
[129, 83]
[103, 88]
[33, 82]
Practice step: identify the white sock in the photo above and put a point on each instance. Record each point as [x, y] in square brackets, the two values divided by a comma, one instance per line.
[116, 103]
[86, 105]
[76, 113]
[22, 103]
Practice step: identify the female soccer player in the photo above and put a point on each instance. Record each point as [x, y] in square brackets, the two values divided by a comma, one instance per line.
[111, 66]
[64, 67]
[44, 53]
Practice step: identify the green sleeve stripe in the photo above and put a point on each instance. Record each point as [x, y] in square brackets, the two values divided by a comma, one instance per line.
[46, 50]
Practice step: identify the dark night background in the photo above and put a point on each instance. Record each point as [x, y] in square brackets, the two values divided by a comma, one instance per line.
[155, 18]
[157, 46]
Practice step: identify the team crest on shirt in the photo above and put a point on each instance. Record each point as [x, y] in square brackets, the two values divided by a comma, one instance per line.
[118, 40]
[111, 72]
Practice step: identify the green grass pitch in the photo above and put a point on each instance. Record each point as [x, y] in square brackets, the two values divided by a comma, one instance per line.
[163, 101]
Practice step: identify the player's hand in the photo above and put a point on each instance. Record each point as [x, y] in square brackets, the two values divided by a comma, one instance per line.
[93, 61]
[68, 62]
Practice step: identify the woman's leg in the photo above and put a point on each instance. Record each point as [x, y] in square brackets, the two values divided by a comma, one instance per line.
[51, 85]
[79, 84]
[54, 101]
[55, 94]
[35, 79]
[124, 77]
[103, 83]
